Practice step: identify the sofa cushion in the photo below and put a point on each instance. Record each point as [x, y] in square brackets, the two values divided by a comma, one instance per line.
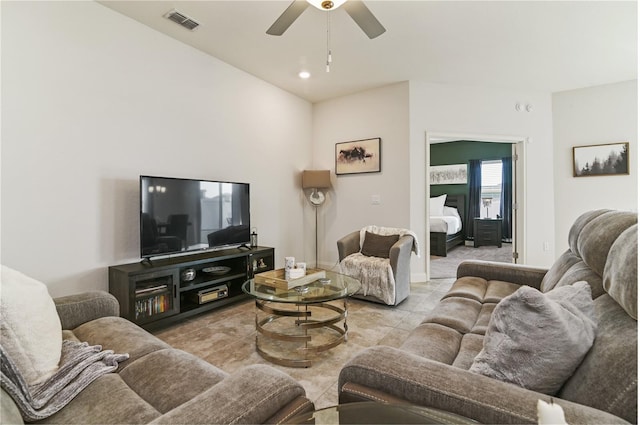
[483, 319]
[578, 225]
[537, 340]
[167, 378]
[591, 238]
[481, 290]
[620, 278]
[459, 314]
[250, 395]
[121, 336]
[107, 400]
[470, 287]
[435, 342]
[378, 245]
[599, 234]
[453, 331]
[610, 366]
[569, 269]
[470, 346]
[30, 327]
[558, 269]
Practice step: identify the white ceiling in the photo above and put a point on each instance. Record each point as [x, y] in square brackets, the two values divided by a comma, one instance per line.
[534, 45]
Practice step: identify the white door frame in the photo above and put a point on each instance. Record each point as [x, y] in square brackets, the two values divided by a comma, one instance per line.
[520, 143]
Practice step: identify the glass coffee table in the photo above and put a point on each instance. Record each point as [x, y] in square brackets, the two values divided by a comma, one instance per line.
[294, 325]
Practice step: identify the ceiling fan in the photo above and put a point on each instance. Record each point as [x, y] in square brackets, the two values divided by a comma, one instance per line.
[358, 11]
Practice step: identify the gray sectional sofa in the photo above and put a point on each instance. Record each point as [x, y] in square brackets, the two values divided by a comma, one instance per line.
[159, 384]
[434, 365]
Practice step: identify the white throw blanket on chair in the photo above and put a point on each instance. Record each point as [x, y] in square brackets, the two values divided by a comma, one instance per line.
[375, 274]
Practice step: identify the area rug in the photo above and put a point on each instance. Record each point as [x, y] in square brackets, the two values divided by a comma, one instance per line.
[226, 337]
[445, 267]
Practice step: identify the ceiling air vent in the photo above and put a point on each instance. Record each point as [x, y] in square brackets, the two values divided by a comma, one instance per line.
[182, 19]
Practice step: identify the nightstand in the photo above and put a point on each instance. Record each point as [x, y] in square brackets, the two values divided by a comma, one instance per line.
[487, 231]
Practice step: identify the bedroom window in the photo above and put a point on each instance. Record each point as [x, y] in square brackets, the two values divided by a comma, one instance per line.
[491, 188]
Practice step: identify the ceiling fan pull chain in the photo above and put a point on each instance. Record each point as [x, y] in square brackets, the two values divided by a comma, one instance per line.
[328, 42]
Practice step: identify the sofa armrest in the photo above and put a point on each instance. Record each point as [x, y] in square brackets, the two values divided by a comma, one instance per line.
[506, 272]
[297, 406]
[400, 258]
[348, 245]
[425, 382]
[252, 395]
[75, 310]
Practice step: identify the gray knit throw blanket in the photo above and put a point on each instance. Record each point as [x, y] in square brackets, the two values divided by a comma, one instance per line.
[80, 365]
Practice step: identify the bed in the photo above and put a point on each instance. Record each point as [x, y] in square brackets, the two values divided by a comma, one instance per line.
[447, 223]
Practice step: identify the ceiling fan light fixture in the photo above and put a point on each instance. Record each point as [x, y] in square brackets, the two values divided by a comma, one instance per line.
[326, 4]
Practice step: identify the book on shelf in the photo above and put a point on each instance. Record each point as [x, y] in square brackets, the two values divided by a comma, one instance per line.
[152, 305]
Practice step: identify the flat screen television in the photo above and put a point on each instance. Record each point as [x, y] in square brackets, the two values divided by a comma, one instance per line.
[183, 215]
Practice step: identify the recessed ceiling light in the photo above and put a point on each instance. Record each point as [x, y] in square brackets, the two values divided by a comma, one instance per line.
[304, 75]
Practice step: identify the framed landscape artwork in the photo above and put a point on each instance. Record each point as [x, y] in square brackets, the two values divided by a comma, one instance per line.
[448, 174]
[360, 156]
[601, 160]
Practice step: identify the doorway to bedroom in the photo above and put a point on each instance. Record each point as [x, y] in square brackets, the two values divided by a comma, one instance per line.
[472, 211]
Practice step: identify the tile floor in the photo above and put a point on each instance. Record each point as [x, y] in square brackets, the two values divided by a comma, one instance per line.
[226, 337]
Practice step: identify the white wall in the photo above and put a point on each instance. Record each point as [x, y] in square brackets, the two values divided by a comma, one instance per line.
[91, 100]
[438, 108]
[381, 112]
[401, 114]
[595, 115]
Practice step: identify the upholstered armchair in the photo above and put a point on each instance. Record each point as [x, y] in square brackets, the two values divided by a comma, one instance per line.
[380, 258]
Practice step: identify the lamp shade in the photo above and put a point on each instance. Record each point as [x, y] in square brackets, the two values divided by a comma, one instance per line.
[315, 179]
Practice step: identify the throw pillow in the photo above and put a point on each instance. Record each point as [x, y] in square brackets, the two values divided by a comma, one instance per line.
[537, 340]
[436, 206]
[377, 245]
[31, 331]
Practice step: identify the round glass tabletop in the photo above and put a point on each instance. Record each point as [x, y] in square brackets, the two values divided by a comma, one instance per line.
[333, 286]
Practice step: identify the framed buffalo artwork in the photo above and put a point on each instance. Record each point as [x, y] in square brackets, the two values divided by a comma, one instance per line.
[359, 156]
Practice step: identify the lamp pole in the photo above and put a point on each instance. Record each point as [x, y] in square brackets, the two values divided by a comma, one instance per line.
[316, 208]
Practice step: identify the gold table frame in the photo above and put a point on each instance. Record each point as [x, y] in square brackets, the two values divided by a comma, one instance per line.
[301, 310]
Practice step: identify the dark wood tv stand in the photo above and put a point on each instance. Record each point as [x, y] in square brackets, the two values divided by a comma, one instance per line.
[155, 293]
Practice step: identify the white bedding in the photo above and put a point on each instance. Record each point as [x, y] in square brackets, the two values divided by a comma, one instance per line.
[445, 224]
[449, 223]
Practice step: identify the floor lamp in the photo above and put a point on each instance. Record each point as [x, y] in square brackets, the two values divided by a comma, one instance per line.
[316, 179]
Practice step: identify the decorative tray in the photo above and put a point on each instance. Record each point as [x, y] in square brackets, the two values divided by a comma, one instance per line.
[276, 278]
[217, 270]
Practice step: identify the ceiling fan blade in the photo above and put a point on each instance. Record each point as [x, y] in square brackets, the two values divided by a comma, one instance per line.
[360, 13]
[287, 18]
